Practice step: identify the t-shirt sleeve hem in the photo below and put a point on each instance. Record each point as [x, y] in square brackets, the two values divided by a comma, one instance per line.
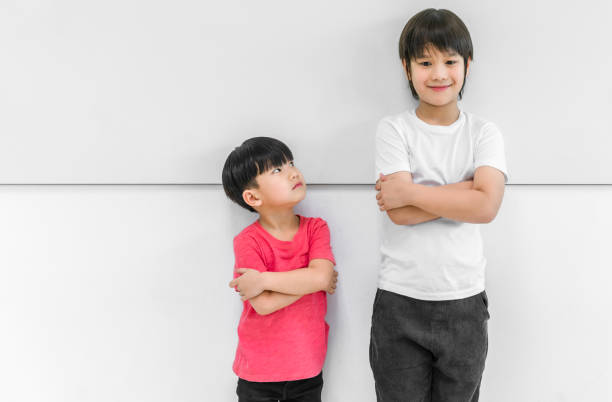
[495, 166]
[322, 257]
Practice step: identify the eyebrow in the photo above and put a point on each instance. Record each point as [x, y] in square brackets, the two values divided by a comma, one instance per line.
[426, 56]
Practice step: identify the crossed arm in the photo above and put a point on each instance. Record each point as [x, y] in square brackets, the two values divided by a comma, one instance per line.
[271, 291]
[476, 201]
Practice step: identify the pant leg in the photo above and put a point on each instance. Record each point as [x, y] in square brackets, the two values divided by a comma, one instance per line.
[307, 390]
[400, 355]
[250, 391]
[461, 349]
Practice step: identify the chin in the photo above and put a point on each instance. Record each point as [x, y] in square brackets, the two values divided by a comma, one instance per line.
[439, 102]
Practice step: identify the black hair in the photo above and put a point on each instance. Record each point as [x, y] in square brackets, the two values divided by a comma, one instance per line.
[439, 28]
[254, 156]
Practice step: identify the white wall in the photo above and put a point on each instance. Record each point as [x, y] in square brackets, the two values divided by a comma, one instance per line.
[120, 293]
[140, 91]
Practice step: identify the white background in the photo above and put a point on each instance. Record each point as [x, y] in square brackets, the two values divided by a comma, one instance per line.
[135, 91]
[119, 293]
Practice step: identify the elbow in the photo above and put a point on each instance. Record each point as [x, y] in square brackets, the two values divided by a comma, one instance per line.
[261, 305]
[322, 275]
[262, 310]
[488, 207]
[393, 218]
[397, 219]
[484, 220]
[325, 277]
[488, 215]
[492, 217]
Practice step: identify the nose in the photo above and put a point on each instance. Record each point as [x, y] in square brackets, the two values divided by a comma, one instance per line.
[439, 72]
[294, 173]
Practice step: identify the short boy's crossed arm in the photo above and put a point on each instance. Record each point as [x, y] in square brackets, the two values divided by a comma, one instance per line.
[271, 291]
[268, 302]
[318, 275]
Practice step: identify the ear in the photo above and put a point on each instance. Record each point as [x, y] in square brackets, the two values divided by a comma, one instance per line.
[251, 197]
[406, 69]
[467, 66]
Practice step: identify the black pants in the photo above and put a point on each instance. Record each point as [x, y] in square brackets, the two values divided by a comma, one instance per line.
[428, 351]
[308, 390]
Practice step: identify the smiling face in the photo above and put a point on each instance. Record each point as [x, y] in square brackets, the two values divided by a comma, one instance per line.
[280, 187]
[437, 76]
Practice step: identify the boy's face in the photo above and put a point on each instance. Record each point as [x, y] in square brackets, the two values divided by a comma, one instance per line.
[279, 187]
[437, 76]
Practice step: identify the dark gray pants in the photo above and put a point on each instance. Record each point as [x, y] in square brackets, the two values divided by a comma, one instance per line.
[428, 350]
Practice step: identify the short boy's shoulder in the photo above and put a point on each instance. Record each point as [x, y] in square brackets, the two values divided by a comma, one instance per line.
[246, 235]
[314, 224]
[250, 242]
[313, 220]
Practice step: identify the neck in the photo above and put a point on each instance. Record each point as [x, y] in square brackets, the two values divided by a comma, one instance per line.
[438, 115]
[279, 221]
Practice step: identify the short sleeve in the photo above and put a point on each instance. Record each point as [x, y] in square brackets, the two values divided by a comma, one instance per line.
[248, 254]
[490, 150]
[391, 150]
[319, 242]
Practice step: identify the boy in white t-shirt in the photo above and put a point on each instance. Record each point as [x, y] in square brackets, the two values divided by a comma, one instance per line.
[441, 172]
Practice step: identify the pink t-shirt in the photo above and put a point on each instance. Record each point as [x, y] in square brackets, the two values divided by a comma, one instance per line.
[291, 343]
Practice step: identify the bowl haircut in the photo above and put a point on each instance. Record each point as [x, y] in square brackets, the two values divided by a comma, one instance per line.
[440, 29]
[253, 157]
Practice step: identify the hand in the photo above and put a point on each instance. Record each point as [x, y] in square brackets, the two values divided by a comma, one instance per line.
[393, 191]
[249, 284]
[331, 288]
[377, 185]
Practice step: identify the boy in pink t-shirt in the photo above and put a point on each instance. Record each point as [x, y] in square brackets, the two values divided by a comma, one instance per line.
[284, 266]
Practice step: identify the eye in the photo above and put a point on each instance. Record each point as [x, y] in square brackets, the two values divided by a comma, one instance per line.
[425, 63]
[276, 170]
[291, 164]
[451, 62]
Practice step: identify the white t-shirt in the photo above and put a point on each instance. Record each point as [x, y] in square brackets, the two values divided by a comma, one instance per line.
[441, 259]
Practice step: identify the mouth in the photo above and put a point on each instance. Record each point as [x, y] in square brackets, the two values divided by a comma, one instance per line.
[300, 184]
[440, 88]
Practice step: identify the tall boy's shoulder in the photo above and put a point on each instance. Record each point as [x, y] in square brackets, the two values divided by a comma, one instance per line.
[398, 118]
[394, 125]
[478, 123]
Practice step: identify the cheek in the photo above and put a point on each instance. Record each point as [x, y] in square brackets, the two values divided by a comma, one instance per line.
[419, 78]
[274, 190]
[281, 190]
[458, 75]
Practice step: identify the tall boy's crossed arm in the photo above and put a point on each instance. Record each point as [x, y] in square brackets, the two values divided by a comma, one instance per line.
[476, 205]
[410, 214]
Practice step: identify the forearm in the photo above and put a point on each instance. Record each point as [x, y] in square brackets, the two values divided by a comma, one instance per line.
[412, 215]
[464, 205]
[269, 302]
[301, 281]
